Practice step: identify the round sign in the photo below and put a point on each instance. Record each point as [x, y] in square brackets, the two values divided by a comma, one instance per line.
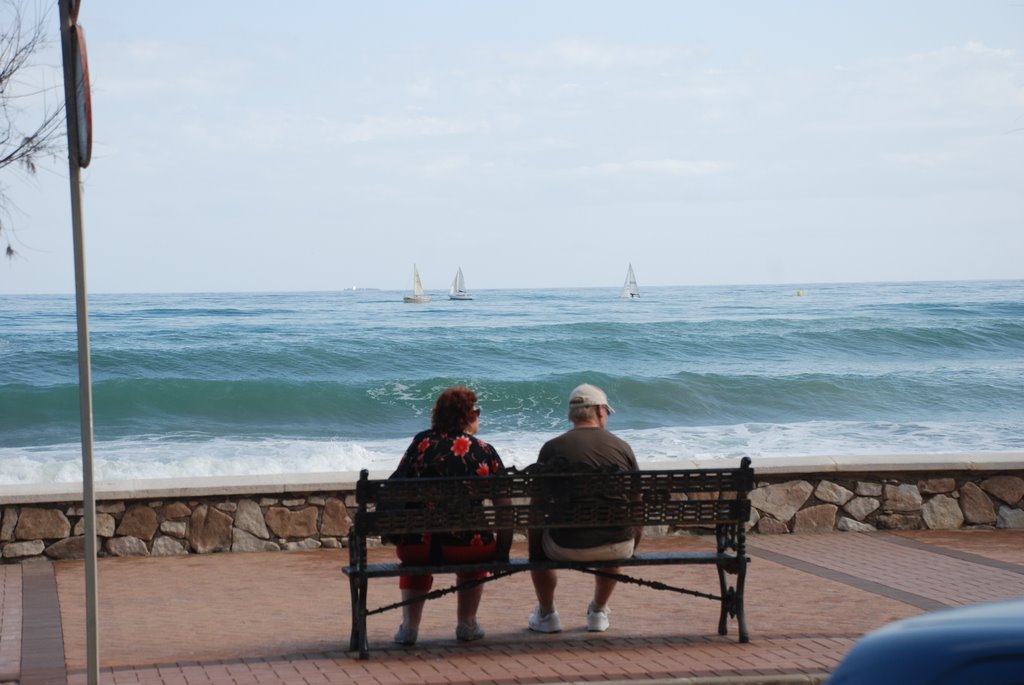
[83, 98]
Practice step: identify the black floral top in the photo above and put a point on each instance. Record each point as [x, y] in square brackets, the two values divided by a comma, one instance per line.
[432, 454]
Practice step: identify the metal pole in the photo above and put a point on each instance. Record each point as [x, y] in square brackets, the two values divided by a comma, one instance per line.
[84, 365]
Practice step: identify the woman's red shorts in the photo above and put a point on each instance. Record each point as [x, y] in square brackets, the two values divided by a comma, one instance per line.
[419, 555]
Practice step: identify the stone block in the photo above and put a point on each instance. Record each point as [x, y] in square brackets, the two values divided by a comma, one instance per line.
[140, 521]
[286, 523]
[976, 505]
[330, 543]
[20, 550]
[249, 517]
[833, 493]
[899, 522]
[177, 510]
[942, 513]
[754, 517]
[8, 523]
[68, 548]
[1009, 489]
[105, 525]
[847, 524]
[165, 546]
[936, 486]
[229, 507]
[1010, 518]
[294, 502]
[781, 500]
[336, 519]
[244, 541]
[110, 507]
[36, 523]
[869, 489]
[308, 543]
[860, 507]
[316, 500]
[817, 519]
[209, 530]
[901, 498]
[769, 526]
[126, 547]
[176, 529]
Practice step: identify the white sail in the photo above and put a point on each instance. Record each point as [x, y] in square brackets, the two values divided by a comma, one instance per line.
[457, 291]
[630, 290]
[417, 288]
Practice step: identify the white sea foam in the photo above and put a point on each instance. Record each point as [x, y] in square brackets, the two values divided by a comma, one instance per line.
[170, 458]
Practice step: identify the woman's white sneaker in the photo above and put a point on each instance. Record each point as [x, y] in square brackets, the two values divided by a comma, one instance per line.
[545, 623]
[406, 635]
[464, 632]
[597, 621]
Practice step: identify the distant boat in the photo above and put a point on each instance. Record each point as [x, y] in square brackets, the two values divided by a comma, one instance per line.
[458, 289]
[417, 289]
[630, 291]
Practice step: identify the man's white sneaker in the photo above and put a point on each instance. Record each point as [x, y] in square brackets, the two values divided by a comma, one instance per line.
[547, 623]
[597, 621]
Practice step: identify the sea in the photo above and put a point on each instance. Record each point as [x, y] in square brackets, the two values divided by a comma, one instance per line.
[269, 383]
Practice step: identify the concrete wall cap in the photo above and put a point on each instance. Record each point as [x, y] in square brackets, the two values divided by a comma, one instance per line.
[165, 488]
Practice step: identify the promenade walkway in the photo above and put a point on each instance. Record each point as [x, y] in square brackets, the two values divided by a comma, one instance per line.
[236, 619]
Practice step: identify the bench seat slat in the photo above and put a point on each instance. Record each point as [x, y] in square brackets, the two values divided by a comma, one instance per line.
[389, 569]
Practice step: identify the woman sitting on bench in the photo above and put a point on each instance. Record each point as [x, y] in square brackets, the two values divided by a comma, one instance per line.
[449, 448]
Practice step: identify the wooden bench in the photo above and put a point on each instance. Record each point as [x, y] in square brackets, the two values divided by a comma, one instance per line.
[694, 499]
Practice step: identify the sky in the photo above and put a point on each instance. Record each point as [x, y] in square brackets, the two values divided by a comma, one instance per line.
[321, 145]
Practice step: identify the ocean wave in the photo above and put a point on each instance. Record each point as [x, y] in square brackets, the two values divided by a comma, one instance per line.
[185, 455]
[319, 409]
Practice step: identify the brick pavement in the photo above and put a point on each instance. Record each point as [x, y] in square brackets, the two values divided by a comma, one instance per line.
[283, 617]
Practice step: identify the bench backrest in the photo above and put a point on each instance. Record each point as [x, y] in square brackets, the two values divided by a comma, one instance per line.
[677, 498]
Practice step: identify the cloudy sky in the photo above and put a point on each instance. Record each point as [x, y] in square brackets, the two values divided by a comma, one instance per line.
[274, 146]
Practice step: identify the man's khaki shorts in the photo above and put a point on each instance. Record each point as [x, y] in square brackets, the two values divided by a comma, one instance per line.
[617, 550]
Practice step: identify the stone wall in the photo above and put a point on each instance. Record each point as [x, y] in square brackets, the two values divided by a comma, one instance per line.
[150, 527]
[891, 501]
[166, 522]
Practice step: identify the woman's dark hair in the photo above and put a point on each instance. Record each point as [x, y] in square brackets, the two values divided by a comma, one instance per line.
[454, 410]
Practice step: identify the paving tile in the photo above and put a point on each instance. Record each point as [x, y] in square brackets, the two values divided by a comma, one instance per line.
[10, 622]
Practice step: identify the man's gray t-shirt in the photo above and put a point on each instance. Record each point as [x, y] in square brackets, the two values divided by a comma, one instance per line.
[588, 447]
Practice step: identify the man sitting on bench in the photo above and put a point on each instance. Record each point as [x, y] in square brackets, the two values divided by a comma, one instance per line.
[588, 445]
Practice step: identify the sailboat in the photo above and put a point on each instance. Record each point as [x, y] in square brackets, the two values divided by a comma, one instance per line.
[630, 290]
[417, 289]
[458, 289]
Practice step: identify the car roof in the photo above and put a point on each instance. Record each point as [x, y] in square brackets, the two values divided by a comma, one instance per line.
[935, 647]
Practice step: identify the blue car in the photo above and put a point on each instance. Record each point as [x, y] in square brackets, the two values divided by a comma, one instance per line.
[981, 644]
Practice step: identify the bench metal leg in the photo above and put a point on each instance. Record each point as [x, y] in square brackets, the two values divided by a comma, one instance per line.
[732, 601]
[353, 640]
[723, 614]
[741, 616]
[364, 642]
